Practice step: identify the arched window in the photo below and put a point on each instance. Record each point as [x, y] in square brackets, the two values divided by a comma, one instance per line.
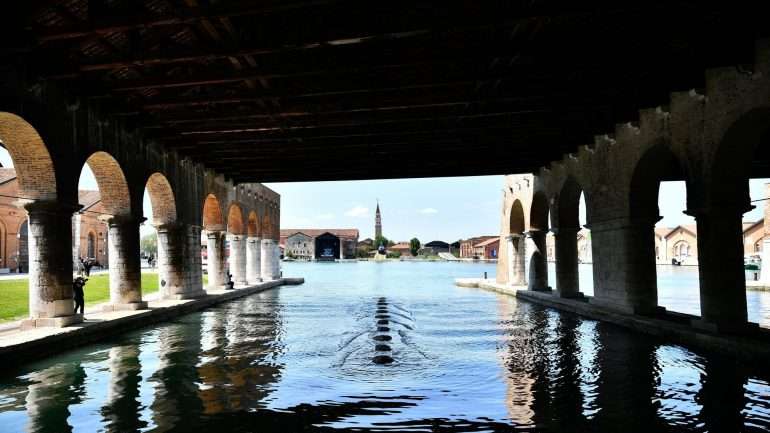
[682, 249]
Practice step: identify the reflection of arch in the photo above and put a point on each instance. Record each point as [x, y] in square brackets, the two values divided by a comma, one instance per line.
[34, 168]
[517, 218]
[212, 214]
[732, 161]
[113, 187]
[569, 204]
[538, 219]
[253, 224]
[161, 199]
[657, 165]
[235, 219]
[91, 245]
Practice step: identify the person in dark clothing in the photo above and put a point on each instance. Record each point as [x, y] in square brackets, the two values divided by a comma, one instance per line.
[79, 296]
[229, 283]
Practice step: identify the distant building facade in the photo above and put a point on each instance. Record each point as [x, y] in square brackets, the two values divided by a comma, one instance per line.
[402, 248]
[300, 246]
[346, 242]
[487, 249]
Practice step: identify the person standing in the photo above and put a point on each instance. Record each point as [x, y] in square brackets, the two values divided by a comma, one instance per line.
[79, 295]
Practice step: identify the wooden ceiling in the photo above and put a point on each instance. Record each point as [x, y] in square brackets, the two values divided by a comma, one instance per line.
[292, 90]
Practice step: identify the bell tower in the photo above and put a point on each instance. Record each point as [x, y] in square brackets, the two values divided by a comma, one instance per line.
[377, 222]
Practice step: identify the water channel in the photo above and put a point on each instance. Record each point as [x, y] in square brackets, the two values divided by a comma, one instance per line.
[386, 347]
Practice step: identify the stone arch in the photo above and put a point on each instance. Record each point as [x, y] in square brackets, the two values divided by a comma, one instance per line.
[731, 166]
[235, 219]
[113, 187]
[517, 223]
[31, 159]
[162, 199]
[658, 164]
[212, 214]
[253, 224]
[569, 204]
[538, 219]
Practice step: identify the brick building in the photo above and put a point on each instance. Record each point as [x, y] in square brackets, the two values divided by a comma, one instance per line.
[467, 246]
[348, 240]
[90, 234]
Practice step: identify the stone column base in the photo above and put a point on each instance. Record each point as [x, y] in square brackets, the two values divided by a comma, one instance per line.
[569, 295]
[183, 296]
[51, 322]
[125, 307]
[725, 328]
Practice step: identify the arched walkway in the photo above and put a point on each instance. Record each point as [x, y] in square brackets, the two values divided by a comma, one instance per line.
[720, 221]
[516, 246]
[49, 225]
[214, 224]
[123, 232]
[178, 244]
[236, 231]
[253, 250]
[567, 252]
[657, 164]
[538, 229]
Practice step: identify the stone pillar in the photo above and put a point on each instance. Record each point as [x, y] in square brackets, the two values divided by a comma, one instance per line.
[176, 270]
[342, 250]
[194, 262]
[567, 273]
[268, 259]
[625, 277]
[238, 259]
[538, 265]
[765, 275]
[722, 275]
[517, 254]
[50, 265]
[277, 262]
[215, 263]
[76, 223]
[253, 249]
[125, 265]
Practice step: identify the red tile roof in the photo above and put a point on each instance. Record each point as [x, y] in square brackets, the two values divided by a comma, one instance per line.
[342, 233]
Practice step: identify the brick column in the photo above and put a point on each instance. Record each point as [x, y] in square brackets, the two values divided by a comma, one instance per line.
[125, 265]
[253, 249]
[238, 259]
[625, 277]
[194, 274]
[538, 262]
[722, 275]
[216, 259]
[268, 265]
[176, 265]
[50, 265]
[567, 273]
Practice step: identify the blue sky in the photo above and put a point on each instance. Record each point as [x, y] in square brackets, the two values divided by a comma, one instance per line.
[432, 208]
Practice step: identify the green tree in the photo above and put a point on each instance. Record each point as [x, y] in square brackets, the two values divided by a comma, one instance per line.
[381, 240]
[414, 246]
[149, 244]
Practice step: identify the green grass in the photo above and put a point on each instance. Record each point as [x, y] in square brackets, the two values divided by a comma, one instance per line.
[14, 294]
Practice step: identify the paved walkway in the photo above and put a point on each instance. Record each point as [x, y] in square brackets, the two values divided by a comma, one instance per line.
[17, 345]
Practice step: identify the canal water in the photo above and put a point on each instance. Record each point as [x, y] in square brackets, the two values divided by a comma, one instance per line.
[383, 347]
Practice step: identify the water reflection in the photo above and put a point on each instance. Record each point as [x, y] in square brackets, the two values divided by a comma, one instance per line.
[300, 359]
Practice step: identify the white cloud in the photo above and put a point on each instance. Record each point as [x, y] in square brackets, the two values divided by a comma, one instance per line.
[427, 211]
[325, 216]
[358, 211]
